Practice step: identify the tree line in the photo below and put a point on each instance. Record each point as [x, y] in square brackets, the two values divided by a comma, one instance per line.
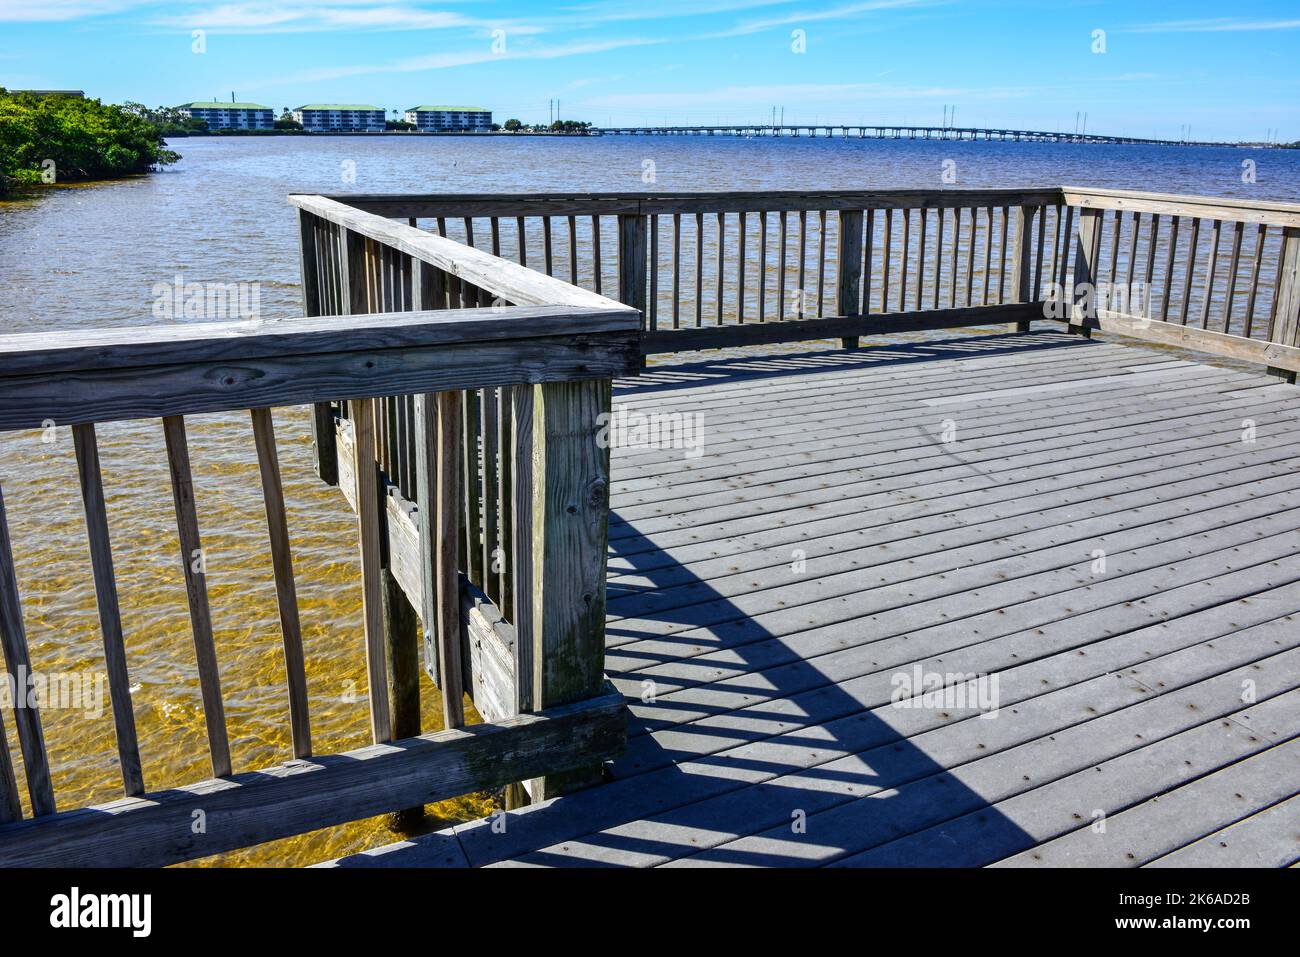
[51, 138]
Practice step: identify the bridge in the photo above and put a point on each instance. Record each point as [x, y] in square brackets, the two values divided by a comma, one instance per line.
[894, 132]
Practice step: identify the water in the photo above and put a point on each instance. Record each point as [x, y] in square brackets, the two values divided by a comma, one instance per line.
[91, 255]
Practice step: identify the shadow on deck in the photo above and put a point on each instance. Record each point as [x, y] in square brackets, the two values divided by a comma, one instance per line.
[1096, 543]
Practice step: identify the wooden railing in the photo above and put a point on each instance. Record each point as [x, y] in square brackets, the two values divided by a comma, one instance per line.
[727, 269]
[1219, 276]
[430, 338]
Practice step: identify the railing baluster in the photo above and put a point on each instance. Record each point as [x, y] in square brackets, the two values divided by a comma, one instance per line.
[595, 252]
[677, 270]
[740, 269]
[1261, 234]
[1209, 274]
[1002, 255]
[573, 250]
[780, 306]
[194, 567]
[821, 263]
[1153, 235]
[368, 505]
[938, 257]
[699, 269]
[450, 449]
[722, 261]
[970, 257]
[488, 489]
[1169, 269]
[868, 245]
[521, 239]
[904, 262]
[11, 805]
[920, 257]
[956, 251]
[803, 264]
[31, 737]
[110, 619]
[762, 266]
[848, 292]
[1038, 257]
[654, 272]
[1234, 260]
[1189, 270]
[268, 463]
[546, 245]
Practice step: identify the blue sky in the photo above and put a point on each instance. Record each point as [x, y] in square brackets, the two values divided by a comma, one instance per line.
[1228, 70]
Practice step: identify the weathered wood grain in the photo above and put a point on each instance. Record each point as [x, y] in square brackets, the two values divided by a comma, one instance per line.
[31, 738]
[194, 568]
[110, 617]
[257, 806]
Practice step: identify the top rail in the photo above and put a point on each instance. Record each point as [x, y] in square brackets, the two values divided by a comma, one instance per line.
[423, 205]
[103, 375]
[506, 281]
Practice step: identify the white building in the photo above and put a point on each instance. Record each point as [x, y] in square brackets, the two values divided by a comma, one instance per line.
[450, 119]
[231, 116]
[340, 118]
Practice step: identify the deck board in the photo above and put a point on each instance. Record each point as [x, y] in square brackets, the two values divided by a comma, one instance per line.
[759, 690]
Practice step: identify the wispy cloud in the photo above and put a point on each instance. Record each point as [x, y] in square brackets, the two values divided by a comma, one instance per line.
[314, 16]
[444, 61]
[1215, 25]
[37, 11]
[842, 12]
[845, 93]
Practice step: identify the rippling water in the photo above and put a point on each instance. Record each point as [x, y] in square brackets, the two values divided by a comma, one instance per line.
[88, 256]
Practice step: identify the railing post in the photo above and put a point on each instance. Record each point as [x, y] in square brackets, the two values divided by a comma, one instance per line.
[1285, 328]
[570, 526]
[1085, 272]
[849, 264]
[323, 437]
[632, 277]
[1021, 260]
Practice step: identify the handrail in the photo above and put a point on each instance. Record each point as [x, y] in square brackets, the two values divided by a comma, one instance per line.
[556, 361]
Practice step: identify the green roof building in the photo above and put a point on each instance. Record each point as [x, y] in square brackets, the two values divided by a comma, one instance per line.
[230, 116]
[340, 118]
[450, 119]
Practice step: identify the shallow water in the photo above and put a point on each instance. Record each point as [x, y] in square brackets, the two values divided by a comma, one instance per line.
[91, 255]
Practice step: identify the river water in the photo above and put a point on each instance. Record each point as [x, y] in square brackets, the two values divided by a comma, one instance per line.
[94, 255]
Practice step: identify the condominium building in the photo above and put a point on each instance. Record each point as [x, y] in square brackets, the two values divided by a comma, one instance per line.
[231, 116]
[340, 118]
[450, 119]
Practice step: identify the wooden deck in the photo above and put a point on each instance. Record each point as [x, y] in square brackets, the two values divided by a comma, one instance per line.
[1100, 536]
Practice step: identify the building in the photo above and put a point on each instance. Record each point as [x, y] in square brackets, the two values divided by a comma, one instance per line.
[340, 118]
[450, 119]
[41, 94]
[231, 116]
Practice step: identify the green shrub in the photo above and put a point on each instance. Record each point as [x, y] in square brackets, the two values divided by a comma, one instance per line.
[84, 139]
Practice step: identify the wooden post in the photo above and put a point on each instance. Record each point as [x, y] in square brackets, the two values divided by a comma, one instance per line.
[570, 515]
[323, 436]
[632, 264]
[849, 262]
[445, 570]
[520, 453]
[1285, 327]
[1021, 270]
[369, 501]
[402, 644]
[1085, 271]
